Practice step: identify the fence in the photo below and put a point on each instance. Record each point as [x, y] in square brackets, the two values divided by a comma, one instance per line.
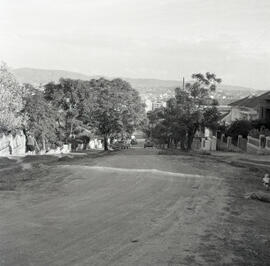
[227, 144]
[16, 145]
[251, 144]
[253, 141]
[209, 144]
[242, 143]
[258, 145]
[196, 144]
[267, 143]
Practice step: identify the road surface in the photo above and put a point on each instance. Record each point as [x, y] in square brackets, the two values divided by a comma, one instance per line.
[134, 207]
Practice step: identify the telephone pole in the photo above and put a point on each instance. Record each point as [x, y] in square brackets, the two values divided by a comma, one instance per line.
[183, 83]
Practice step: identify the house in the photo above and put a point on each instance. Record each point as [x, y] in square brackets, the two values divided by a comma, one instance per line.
[249, 108]
[205, 139]
[158, 104]
[148, 105]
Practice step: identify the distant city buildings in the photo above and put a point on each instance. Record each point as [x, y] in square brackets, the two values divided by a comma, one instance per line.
[157, 97]
[151, 105]
[148, 105]
[158, 104]
[154, 99]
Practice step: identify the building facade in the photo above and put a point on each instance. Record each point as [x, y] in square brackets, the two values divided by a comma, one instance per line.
[249, 108]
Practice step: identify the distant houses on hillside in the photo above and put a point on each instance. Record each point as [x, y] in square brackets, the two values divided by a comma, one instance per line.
[247, 108]
[151, 105]
[158, 104]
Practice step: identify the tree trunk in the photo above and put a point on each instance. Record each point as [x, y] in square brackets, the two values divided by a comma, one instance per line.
[191, 134]
[175, 143]
[25, 134]
[105, 143]
[43, 143]
[182, 145]
[189, 144]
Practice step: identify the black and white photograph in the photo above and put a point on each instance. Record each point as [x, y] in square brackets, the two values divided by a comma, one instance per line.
[134, 132]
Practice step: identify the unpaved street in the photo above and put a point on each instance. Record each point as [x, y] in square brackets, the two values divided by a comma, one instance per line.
[133, 207]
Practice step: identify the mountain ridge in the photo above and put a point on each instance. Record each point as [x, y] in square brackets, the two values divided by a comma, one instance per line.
[41, 76]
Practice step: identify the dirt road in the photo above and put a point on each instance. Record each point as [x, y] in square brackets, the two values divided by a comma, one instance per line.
[134, 207]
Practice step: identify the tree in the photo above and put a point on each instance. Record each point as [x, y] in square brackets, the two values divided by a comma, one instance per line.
[41, 118]
[102, 106]
[195, 106]
[191, 109]
[154, 117]
[117, 108]
[11, 101]
[73, 100]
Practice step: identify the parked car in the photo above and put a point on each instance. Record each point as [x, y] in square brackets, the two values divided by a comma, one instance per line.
[121, 144]
[148, 143]
[124, 144]
[134, 142]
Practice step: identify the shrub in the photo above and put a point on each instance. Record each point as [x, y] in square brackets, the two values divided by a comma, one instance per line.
[255, 133]
[258, 124]
[239, 127]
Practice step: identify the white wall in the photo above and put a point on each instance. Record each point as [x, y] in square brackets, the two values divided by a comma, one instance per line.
[12, 145]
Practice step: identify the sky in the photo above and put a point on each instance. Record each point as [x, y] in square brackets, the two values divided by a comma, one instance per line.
[164, 39]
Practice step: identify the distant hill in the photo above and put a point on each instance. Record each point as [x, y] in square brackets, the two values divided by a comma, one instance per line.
[42, 76]
[152, 83]
[37, 76]
[235, 88]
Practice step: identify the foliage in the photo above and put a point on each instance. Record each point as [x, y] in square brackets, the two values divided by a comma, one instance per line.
[73, 100]
[190, 110]
[259, 127]
[258, 124]
[117, 108]
[255, 133]
[11, 101]
[28, 89]
[210, 117]
[195, 106]
[253, 128]
[100, 105]
[41, 118]
[239, 127]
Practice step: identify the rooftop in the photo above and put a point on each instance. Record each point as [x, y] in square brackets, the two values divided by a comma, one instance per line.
[251, 101]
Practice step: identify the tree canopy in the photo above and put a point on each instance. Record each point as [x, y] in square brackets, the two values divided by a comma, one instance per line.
[117, 108]
[191, 109]
[11, 101]
[41, 118]
[107, 107]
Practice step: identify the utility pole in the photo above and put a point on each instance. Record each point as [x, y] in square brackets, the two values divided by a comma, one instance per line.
[183, 83]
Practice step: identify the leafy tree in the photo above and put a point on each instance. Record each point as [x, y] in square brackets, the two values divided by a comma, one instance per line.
[153, 118]
[210, 117]
[195, 106]
[117, 108]
[28, 89]
[11, 101]
[103, 106]
[72, 99]
[41, 118]
[191, 109]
